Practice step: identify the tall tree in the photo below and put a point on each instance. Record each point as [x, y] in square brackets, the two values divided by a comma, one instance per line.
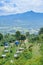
[1, 36]
[41, 31]
[27, 34]
[22, 38]
[17, 35]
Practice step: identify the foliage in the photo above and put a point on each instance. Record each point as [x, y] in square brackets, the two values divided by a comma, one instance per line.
[1, 36]
[41, 31]
[17, 35]
[23, 37]
[27, 34]
[27, 57]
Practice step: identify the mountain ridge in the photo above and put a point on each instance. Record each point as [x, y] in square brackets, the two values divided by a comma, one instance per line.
[27, 20]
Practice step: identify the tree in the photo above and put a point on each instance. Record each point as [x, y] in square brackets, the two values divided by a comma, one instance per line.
[1, 36]
[17, 35]
[7, 37]
[23, 37]
[41, 31]
[27, 34]
[41, 38]
[34, 38]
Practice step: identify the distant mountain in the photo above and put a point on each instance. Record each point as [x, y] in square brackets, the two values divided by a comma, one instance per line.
[27, 20]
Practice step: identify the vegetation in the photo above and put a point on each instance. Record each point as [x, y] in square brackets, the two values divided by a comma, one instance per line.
[1, 36]
[41, 31]
[32, 53]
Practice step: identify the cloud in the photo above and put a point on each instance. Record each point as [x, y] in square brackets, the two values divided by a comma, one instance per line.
[20, 6]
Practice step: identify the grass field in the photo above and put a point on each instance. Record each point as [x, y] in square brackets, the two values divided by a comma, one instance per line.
[27, 57]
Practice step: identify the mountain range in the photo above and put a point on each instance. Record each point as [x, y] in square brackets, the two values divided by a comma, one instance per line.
[22, 21]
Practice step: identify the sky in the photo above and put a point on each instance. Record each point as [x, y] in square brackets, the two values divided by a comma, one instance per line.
[8, 7]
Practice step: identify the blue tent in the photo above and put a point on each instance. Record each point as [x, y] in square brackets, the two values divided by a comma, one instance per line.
[5, 44]
[17, 42]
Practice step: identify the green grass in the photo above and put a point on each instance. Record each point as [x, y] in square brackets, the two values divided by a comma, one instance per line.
[26, 58]
[1, 50]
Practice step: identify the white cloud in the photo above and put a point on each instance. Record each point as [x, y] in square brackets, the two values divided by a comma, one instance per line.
[20, 6]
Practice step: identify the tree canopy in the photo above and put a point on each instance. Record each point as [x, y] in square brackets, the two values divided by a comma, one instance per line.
[1, 36]
[41, 31]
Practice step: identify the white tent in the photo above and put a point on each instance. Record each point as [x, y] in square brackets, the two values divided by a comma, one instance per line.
[15, 55]
[3, 55]
[6, 50]
[6, 46]
[17, 52]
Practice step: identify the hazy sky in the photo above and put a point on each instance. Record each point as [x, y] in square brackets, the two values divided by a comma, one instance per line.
[20, 6]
